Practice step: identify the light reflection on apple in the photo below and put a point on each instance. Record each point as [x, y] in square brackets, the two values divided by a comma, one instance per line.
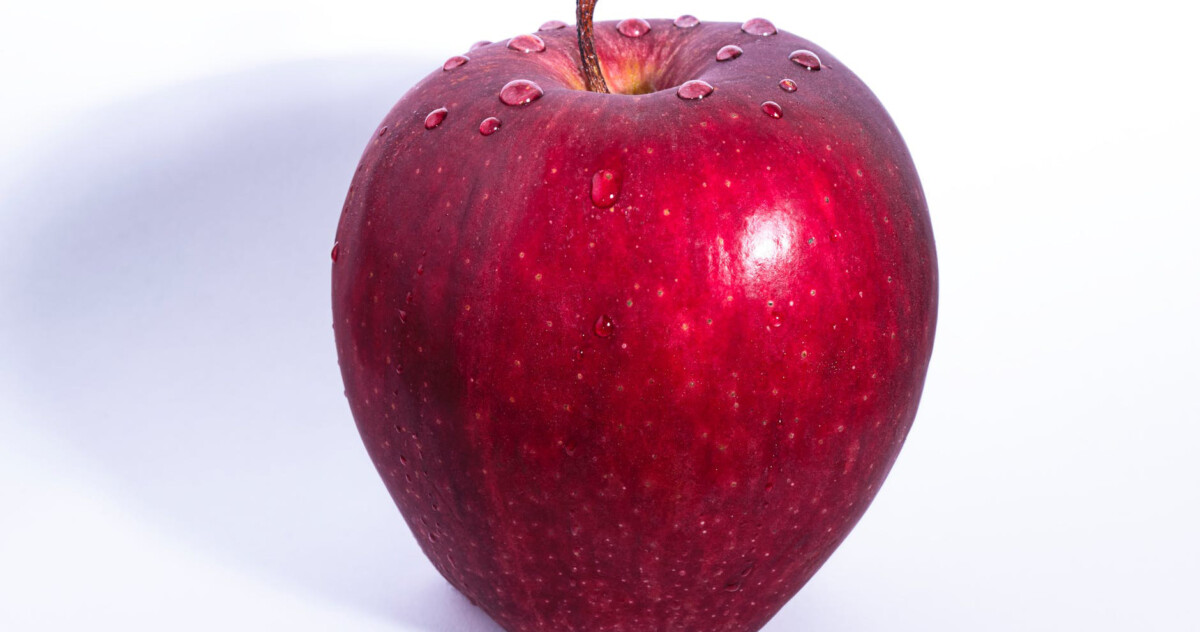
[767, 248]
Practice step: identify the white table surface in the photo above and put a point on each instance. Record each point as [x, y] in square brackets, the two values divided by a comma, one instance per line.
[175, 451]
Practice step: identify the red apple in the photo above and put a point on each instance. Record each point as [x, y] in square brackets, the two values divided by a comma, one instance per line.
[632, 361]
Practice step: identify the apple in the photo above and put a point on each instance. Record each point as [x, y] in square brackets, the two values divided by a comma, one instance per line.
[634, 338]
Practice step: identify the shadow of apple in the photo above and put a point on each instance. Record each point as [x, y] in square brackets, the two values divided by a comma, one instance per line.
[170, 312]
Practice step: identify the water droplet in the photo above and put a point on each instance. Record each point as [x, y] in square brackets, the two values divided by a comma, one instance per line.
[633, 27]
[806, 58]
[435, 118]
[403, 317]
[772, 109]
[759, 26]
[694, 89]
[729, 52]
[489, 125]
[569, 447]
[604, 326]
[520, 92]
[420, 269]
[455, 62]
[334, 253]
[383, 131]
[776, 318]
[686, 21]
[527, 43]
[835, 235]
[606, 186]
[787, 85]
[733, 586]
[479, 44]
[552, 25]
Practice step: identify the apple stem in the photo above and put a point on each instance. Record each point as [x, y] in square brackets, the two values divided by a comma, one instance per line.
[588, 60]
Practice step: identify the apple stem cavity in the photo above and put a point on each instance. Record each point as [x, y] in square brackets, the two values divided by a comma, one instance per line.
[588, 60]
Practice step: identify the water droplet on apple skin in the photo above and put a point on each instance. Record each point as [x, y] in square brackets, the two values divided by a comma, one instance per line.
[787, 85]
[333, 254]
[772, 109]
[552, 25]
[686, 21]
[806, 59]
[604, 326]
[435, 118]
[455, 62]
[489, 125]
[606, 187]
[520, 92]
[527, 43]
[633, 27]
[759, 26]
[729, 52]
[694, 89]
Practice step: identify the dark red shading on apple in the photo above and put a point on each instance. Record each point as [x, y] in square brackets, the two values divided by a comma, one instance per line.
[652, 401]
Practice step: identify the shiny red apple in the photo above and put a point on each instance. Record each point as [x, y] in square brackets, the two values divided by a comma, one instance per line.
[635, 361]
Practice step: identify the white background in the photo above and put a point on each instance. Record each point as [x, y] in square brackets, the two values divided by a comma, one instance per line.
[175, 452]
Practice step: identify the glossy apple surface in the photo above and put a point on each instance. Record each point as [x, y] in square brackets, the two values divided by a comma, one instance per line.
[635, 362]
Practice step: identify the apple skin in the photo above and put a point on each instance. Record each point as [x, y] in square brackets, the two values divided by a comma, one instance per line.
[771, 286]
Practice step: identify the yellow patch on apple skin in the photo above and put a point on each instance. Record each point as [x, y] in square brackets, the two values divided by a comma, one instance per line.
[630, 76]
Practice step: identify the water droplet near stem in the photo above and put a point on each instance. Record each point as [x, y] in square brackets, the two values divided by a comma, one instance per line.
[520, 92]
[455, 62]
[759, 26]
[806, 58]
[527, 43]
[729, 52]
[694, 89]
[435, 118]
[489, 125]
[633, 27]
